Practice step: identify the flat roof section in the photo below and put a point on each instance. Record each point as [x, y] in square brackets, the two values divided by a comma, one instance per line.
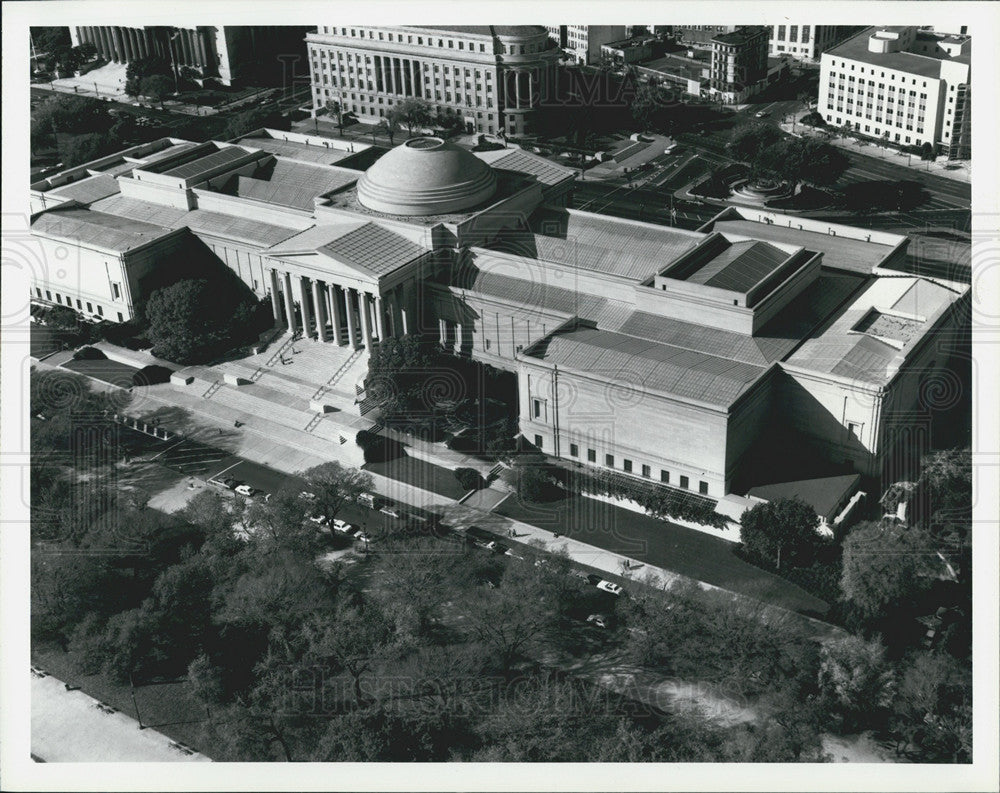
[839, 252]
[921, 64]
[601, 244]
[320, 155]
[288, 183]
[647, 365]
[822, 494]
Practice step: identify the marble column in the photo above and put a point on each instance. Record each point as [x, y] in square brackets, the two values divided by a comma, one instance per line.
[404, 320]
[302, 292]
[380, 317]
[413, 79]
[458, 338]
[319, 302]
[443, 331]
[352, 328]
[366, 319]
[333, 299]
[289, 303]
[275, 303]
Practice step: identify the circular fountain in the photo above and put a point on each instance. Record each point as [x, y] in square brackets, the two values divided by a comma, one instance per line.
[759, 191]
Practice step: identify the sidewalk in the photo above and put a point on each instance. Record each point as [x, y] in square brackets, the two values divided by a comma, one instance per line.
[957, 170]
[69, 727]
[290, 451]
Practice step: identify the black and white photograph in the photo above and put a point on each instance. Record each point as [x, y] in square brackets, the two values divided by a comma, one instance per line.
[438, 406]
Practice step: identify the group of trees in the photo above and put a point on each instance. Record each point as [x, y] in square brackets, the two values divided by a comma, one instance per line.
[195, 319]
[151, 77]
[769, 154]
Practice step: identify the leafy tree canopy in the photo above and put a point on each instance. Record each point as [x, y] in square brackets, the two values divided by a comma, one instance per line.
[781, 530]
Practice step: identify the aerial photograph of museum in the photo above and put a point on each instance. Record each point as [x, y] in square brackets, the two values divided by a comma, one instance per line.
[658, 352]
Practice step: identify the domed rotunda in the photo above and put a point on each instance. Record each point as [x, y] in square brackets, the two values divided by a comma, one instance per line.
[426, 176]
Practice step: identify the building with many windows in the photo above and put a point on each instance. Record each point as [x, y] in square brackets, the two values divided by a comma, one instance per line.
[807, 42]
[903, 84]
[584, 42]
[664, 354]
[490, 76]
[739, 63]
[228, 54]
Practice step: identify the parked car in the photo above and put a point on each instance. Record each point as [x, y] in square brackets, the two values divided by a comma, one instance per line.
[392, 511]
[319, 520]
[607, 586]
[601, 620]
[245, 490]
[370, 501]
[343, 526]
[307, 495]
[497, 547]
[761, 114]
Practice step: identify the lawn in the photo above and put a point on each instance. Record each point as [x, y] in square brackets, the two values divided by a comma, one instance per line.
[418, 473]
[663, 544]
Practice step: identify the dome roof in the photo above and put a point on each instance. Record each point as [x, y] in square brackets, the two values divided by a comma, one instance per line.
[426, 176]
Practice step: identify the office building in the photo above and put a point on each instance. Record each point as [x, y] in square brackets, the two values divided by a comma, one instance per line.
[584, 42]
[903, 84]
[492, 77]
[739, 63]
[229, 54]
[807, 42]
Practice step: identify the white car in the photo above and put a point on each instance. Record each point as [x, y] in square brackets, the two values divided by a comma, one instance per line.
[607, 586]
[391, 511]
[245, 490]
[761, 114]
[343, 526]
[319, 520]
[307, 495]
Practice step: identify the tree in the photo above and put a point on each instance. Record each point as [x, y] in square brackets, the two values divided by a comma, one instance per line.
[413, 113]
[803, 160]
[335, 486]
[932, 709]
[86, 51]
[157, 87]
[140, 68]
[646, 106]
[84, 148]
[196, 318]
[334, 108]
[856, 681]
[47, 39]
[886, 567]
[532, 482]
[249, 120]
[352, 640]
[389, 125]
[943, 498]
[783, 530]
[73, 114]
[750, 140]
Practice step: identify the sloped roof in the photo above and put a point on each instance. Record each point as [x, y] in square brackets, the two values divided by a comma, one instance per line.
[88, 190]
[288, 183]
[739, 266]
[98, 229]
[646, 365]
[547, 172]
[373, 248]
[248, 230]
[822, 494]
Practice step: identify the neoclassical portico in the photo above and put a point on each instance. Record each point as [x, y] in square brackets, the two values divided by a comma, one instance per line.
[339, 313]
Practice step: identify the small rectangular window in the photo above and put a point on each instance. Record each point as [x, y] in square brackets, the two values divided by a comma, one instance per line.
[646, 472]
[90, 308]
[609, 460]
[79, 304]
[48, 295]
[38, 291]
[117, 291]
[703, 488]
[627, 465]
[665, 476]
[58, 298]
[100, 310]
[120, 317]
[591, 456]
[536, 407]
[685, 482]
[574, 450]
[854, 429]
[538, 441]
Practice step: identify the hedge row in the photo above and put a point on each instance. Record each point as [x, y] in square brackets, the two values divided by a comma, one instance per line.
[658, 500]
